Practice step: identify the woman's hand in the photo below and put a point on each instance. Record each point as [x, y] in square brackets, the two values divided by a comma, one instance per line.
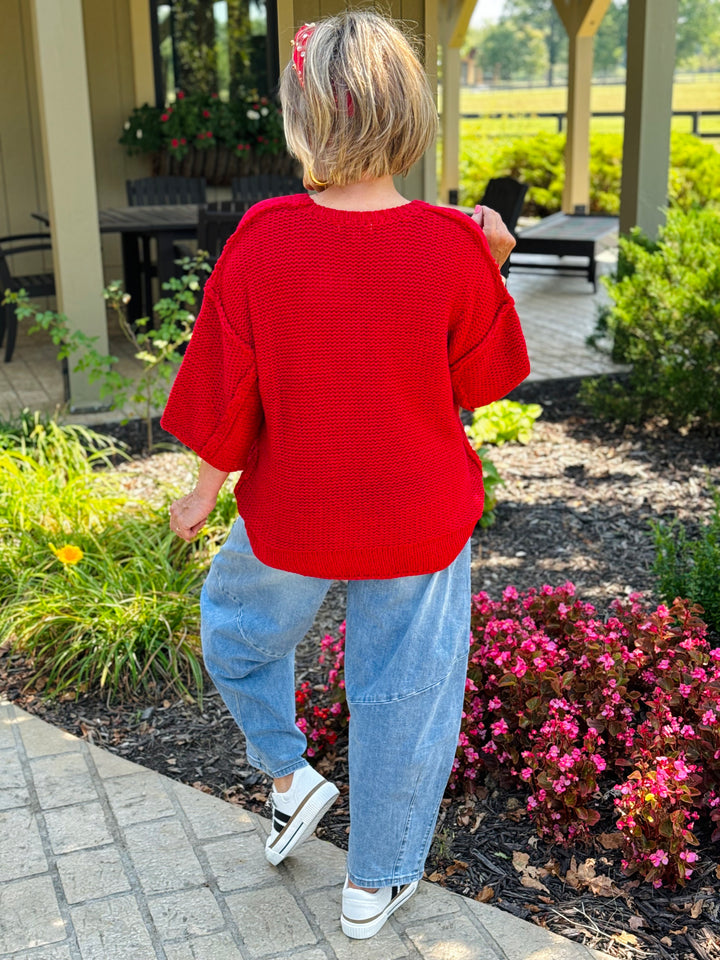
[189, 514]
[499, 238]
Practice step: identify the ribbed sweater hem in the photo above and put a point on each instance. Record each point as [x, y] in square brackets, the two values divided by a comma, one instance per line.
[368, 563]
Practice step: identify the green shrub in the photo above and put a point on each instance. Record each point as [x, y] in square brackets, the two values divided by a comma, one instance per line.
[691, 567]
[500, 422]
[665, 321]
[539, 161]
[95, 590]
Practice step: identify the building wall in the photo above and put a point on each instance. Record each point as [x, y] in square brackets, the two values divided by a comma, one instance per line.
[112, 97]
[420, 17]
[111, 90]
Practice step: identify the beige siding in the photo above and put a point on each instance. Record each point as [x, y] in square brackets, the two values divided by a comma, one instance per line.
[111, 89]
[420, 16]
[112, 98]
[22, 188]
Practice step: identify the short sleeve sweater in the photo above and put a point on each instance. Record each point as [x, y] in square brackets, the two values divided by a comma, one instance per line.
[327, 363]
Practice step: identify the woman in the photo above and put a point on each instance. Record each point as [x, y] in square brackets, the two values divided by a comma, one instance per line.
[338, 336]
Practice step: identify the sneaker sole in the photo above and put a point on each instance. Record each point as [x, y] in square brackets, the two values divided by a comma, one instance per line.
[302, 823]
[363, 929]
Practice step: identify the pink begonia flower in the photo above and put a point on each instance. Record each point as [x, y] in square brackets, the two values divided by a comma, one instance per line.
[663, 665]
[494, 704]
[600, 764]
[685, 689]
[681, 770]
[709, 718]
[510, 593]
[526, 773]
[499, 727]
[659, 858]
[605, 660]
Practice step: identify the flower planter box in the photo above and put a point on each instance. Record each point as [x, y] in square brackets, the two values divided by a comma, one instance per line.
[219, 165]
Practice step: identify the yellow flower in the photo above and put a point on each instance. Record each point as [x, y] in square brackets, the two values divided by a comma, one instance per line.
[68, 554]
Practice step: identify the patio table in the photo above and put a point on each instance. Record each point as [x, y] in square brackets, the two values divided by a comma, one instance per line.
[167, 223]
[563, 234]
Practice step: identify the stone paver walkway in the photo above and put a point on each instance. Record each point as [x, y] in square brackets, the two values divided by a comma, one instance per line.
[101, 859]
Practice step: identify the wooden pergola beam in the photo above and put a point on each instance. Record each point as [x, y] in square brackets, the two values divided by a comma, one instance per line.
[581, 19]
[453, 25]
[648, 114]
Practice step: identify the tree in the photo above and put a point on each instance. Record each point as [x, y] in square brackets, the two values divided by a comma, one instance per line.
[698, 31]
[542, 16]
[610, 47]
[506, 51]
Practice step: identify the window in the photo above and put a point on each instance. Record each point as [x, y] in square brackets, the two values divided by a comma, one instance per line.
[214, 46]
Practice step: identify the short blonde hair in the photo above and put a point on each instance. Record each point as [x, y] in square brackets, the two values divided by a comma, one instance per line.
[365, 108]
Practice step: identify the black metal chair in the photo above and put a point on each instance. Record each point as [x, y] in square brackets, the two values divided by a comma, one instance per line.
[506, 195]
[216, 224]
[34, 284]
[252, 189]
[159, 191]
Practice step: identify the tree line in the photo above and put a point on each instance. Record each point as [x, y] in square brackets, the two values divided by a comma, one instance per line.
[529, 41]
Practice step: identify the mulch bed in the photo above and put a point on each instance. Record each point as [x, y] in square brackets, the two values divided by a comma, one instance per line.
[576, 505]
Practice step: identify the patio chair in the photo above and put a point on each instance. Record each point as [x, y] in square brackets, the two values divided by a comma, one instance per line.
[162, 191]
[261, 186]
[216, 224]
[159, 191]
[35, 284]
[505, 195]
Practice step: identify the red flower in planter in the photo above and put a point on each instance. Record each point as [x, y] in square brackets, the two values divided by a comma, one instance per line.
[206, 113]
[175, 143]
[164, 118]
[180, 95]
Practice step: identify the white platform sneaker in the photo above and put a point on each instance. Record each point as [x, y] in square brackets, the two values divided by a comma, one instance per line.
[297, 812]
[363, 913]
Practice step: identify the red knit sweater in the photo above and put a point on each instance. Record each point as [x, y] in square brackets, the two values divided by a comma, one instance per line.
[327, 363]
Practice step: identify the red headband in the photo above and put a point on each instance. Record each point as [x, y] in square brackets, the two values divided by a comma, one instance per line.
[299, 45]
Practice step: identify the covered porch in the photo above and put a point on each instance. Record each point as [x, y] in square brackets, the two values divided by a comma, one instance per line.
[68, 162]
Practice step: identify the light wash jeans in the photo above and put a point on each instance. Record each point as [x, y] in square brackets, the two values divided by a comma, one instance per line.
[406, 651]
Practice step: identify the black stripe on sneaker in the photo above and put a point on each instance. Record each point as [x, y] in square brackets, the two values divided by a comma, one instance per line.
[395, 892]
[279, 815]
[298, 812]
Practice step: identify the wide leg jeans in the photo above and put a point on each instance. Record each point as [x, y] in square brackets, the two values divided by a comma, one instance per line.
[406, 649]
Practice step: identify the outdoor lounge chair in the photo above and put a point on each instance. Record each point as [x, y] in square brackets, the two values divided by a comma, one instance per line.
[34, 284]
[505, 195]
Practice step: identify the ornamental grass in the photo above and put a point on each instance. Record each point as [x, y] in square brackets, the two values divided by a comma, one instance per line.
[95, 590]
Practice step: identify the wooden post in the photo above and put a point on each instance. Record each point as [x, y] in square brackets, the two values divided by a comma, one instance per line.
[581, 19]
[450, 120]
[61, 71]
[648, 114]
[453, 22]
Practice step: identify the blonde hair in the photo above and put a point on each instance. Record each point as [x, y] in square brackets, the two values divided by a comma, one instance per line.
[364, 109]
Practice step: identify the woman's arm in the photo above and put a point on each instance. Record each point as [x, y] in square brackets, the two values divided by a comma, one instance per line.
[189, 514]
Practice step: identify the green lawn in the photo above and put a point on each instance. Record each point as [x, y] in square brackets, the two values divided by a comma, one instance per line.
[702, 93]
